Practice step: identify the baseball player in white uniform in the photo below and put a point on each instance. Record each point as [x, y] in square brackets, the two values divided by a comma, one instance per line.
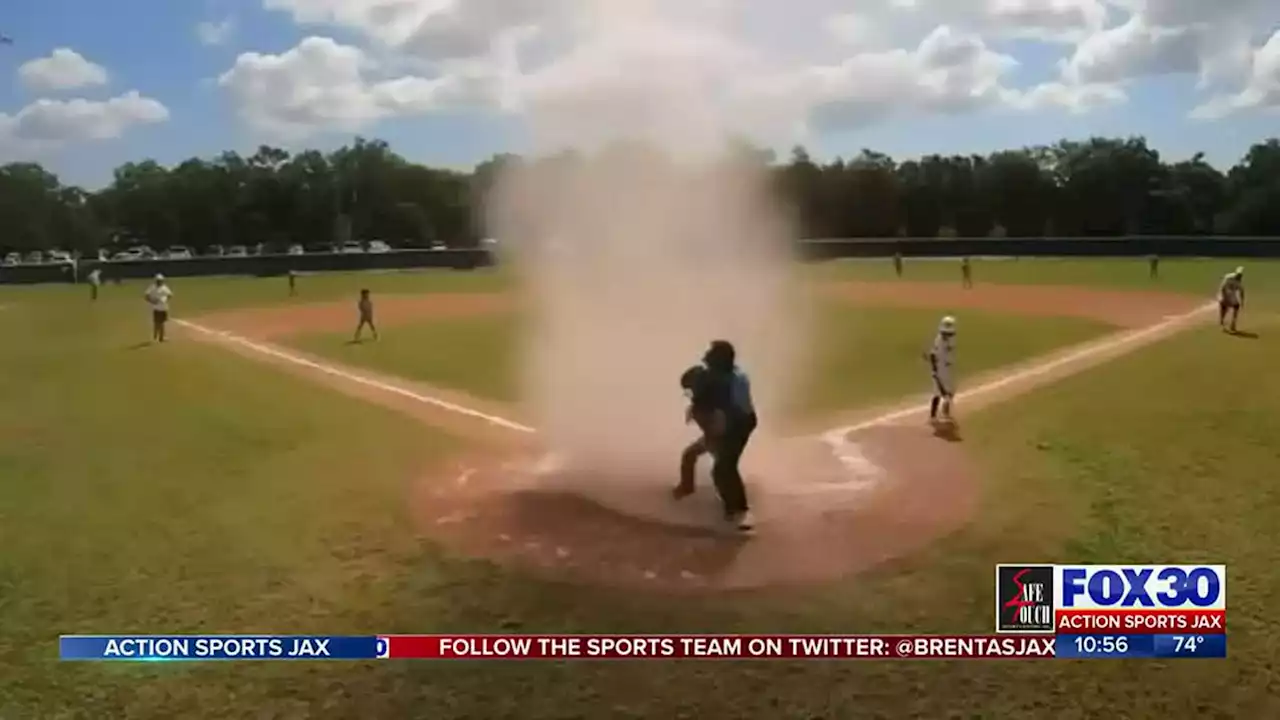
[157, 296]
[940, 356]
[1230, 298]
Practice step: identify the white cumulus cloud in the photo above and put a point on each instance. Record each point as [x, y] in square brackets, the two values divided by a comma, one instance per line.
[54, 123]
[1161, 37]
[323, 85]
[63, 69]
[1261, 90]
[772, 68]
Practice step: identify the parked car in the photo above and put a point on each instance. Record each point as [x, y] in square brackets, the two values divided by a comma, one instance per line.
[13, 258]
[296, 249]
[215, 251]
[378, 246]
[143, 251]
[351, 248]
[132, 254]
[439, 245]
[59, 256]
[35, 257]
[237, 251]
[178, 252]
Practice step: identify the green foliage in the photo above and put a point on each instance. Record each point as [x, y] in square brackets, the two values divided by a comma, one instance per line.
[1096, 187]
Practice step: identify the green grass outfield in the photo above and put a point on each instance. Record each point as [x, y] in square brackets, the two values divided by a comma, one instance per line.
[186, 489]
[863, 356]
[1194, 276]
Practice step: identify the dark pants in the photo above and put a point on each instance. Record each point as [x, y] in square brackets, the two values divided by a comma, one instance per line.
[158, 320]
[689, 460]
[1226, 307]
[693, 451]
[93, 292]
[725, 472]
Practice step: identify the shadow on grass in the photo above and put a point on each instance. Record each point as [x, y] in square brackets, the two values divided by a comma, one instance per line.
[1243, 334]
[140, 345]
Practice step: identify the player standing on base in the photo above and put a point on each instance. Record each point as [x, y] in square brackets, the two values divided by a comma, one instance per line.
[940, 356]
[1231, 298]
[157, 296]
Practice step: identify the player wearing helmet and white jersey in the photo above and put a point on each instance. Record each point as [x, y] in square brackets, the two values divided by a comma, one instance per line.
[1231, 298]
[940, 357]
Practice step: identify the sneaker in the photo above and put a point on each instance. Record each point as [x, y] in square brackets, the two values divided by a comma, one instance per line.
[682, 491]
[743, 521]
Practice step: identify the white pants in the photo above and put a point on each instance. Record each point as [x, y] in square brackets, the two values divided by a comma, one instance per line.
[942, 385]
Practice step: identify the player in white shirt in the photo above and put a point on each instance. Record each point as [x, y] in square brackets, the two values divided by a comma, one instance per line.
[95, 282]
[157, 295]
[1231, 298]
[940, 357]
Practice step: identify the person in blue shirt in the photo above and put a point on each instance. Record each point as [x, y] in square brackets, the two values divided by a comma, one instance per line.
[729, 391]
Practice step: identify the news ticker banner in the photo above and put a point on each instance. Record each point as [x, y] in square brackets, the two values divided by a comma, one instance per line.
[1041, 611]
[154, 648]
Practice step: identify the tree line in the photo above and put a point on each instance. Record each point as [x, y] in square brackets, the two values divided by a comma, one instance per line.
[365, 191]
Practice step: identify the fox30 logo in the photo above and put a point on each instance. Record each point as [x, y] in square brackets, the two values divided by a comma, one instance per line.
[1024, 598]
[1141, 587]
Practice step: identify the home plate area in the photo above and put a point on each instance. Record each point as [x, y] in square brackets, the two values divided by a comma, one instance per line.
[822, 512]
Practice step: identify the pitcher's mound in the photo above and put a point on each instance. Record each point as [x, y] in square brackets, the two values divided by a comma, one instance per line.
[819, 516]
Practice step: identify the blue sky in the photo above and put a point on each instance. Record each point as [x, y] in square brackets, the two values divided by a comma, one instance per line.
[457, 107]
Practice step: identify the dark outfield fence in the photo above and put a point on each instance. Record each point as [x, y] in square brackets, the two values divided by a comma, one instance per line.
[254, 265]
[272, 265]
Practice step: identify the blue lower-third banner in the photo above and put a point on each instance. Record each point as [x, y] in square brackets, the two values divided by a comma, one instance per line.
[220, 647]
[1140, 646]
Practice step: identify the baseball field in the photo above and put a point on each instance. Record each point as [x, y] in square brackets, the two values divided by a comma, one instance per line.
[263, 473]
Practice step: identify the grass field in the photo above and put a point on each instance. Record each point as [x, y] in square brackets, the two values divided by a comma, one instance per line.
[1194, 276]
[862, 357]
[478, 355]
[183, 488]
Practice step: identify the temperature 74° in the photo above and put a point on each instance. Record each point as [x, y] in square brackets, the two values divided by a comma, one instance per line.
[1187, 643]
